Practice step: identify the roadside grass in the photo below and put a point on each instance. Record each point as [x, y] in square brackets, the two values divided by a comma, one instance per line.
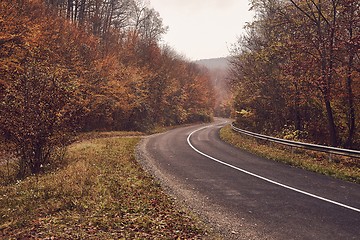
[161, 129]
[344, 168]
[98, 134]
[101, 193]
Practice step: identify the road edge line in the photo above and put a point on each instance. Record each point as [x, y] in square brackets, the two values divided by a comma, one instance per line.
[264, 178]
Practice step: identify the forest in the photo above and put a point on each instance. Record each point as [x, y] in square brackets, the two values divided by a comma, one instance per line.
[70, 66]
[86, 65]
[296, 73]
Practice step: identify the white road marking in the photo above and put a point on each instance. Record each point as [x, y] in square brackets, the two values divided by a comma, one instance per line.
[265, 179]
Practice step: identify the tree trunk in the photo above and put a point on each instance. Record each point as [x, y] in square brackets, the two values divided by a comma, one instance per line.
[350, 65]
[331, 123]
[351, 107]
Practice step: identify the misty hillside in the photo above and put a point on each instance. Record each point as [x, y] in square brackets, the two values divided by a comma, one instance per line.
[214, 63]
[218, 71]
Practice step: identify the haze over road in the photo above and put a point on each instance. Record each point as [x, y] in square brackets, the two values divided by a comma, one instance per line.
[245, 206]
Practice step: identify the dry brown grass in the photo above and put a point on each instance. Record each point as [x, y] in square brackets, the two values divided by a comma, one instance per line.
[102, 193]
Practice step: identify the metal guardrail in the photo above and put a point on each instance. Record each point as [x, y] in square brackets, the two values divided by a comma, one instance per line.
[314, 147]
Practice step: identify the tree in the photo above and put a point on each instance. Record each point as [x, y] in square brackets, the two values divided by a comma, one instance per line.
[38, 110]
[40, 103]
[301, 57]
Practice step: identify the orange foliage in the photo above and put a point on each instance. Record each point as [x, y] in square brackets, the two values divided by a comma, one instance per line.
[56, 76]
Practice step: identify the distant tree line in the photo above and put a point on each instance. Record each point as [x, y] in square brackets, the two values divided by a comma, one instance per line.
[296, 71]
[83, 65]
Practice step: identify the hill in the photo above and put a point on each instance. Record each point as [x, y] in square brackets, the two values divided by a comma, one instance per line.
[218, 71]
[214, 63]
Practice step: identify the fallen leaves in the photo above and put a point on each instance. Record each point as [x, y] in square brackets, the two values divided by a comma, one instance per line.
[102, 193]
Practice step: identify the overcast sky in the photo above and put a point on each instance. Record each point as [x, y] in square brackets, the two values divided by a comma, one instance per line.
[201, 29]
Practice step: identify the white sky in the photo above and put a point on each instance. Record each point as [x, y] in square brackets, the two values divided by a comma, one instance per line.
[201, 29]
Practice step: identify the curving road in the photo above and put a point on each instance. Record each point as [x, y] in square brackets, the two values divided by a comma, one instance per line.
[248, 197]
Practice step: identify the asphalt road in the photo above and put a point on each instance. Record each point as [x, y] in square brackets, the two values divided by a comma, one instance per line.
[248, 197]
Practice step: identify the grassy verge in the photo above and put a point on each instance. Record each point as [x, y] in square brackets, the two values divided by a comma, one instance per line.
[102, 192]
[339, 167]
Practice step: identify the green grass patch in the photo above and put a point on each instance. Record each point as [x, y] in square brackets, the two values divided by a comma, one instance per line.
[340, 167]
[102, 193]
